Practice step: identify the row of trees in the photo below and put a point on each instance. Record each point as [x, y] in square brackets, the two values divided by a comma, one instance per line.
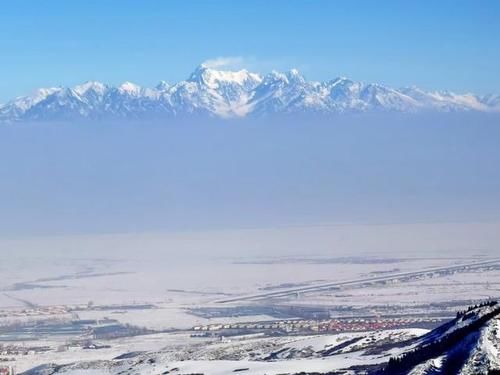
[474, 307]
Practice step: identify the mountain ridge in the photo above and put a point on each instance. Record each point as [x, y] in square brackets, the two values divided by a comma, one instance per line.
[234, 94]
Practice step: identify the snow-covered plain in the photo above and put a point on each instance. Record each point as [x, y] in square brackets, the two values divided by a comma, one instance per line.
[180, 279]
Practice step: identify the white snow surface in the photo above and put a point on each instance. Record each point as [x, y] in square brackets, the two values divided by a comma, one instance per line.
[303, 353]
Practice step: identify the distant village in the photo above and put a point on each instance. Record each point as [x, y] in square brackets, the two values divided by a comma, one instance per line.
[291, 326]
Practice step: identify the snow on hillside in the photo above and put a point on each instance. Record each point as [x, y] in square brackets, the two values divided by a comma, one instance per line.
[268, 355]
[469, 344]
[229, 94]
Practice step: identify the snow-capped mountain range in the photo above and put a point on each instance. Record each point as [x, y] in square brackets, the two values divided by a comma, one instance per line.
[230, 94]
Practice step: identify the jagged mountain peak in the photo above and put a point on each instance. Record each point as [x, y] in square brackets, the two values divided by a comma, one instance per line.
[162, 86]
[212, 78]
[95, 86]
[130, 88]
[294, 75]
[275, 75]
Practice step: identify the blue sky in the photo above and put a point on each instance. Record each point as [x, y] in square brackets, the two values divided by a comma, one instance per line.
[436, 45]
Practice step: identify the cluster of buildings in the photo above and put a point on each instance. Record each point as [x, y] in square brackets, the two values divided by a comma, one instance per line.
[353, 325]
[17, 350]
[322, 326]
[7, 370]
[36, 311]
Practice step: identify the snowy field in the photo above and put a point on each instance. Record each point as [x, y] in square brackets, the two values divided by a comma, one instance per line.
[170, 283]
[306, 353]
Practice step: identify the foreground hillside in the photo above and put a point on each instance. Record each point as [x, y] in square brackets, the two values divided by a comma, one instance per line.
[467, 345]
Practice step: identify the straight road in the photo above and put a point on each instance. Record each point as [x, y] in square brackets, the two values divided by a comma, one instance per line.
[319, 287]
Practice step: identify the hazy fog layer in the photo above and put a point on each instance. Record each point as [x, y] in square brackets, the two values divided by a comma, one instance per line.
[205, 175]
[435, 240]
